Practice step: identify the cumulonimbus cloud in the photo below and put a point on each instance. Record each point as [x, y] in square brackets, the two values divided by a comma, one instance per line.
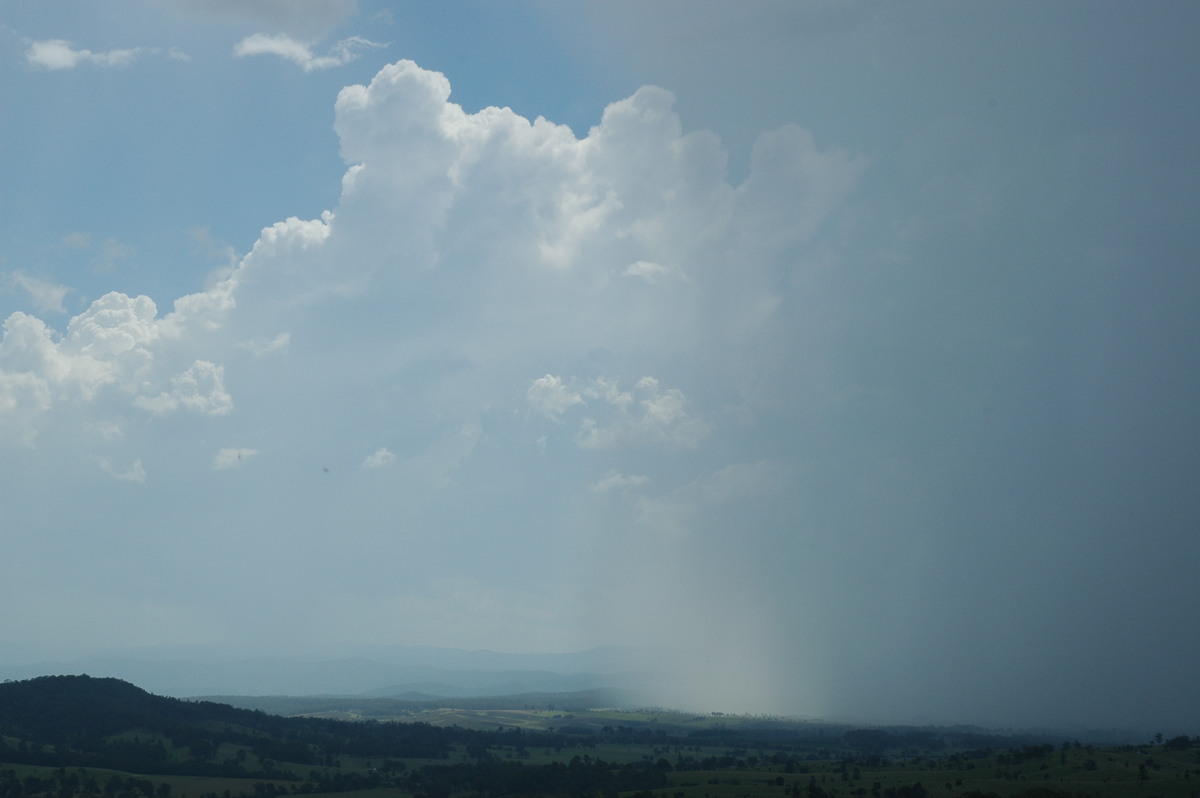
[472, 238]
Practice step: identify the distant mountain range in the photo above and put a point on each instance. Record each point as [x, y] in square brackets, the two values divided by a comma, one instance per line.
[185, 671]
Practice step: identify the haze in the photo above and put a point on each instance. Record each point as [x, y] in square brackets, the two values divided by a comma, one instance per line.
[844, 353]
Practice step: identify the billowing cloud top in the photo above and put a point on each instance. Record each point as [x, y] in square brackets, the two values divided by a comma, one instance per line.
[532, 245]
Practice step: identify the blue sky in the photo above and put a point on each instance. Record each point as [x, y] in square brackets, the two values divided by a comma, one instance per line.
[845, 352]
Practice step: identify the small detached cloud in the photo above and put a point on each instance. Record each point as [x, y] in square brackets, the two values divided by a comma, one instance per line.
[47, 297]
[105, 255]
[265, 347]
[301, 53]
[655, 273]
[135, 472]
[200, 389]
[232, 458]
[550, 396]
[381, 458]
[77, 240]
[649, 414]
[614, 481]
[55, 54]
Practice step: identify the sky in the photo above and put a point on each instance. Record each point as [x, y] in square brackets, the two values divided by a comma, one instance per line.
[846, 354]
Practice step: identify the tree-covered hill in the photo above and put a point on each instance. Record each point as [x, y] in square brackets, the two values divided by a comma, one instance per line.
[80, 720]
[48, 707]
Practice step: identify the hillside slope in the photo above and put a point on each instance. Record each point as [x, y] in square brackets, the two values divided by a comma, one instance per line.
[84, 721]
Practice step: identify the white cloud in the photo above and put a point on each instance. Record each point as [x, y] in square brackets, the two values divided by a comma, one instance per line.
[615, 481]
[550, 396]
[110, 252]
[793, 186]
[262, 347]
[380, 458]
[654, 273]
[60, 54]
[77, 240]
[47, 297]
[465, 248]
[114, 325]
[284, 46]
[117, 347]
[200, 388]
[105, 256]
[105, 430]
[648, 414]
[232, 458]
[480, 245]
[41, 371]
[135, 472]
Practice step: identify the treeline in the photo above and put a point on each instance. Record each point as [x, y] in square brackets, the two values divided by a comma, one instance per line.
[178, 750]
[68, 784]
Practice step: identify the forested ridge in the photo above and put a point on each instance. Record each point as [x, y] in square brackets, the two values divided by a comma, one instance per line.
[83, 722]
[103, 722]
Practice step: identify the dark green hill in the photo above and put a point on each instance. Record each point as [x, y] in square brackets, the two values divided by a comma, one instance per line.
[48, 707]
[84, 721]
